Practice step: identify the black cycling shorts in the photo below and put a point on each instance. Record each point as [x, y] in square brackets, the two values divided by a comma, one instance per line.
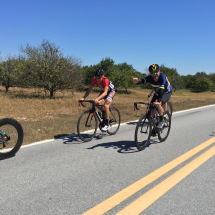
[166, 97]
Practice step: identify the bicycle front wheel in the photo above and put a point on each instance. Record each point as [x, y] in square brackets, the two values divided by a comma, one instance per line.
[114, 121]
[143, 132]
[87, 126]
[11, 137]
[164, 132]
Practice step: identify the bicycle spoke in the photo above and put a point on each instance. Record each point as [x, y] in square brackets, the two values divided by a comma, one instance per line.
[87, 126]
[164, 132]
[142, 133]
[114, 121]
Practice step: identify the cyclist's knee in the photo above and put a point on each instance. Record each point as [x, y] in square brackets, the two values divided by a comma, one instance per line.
[107, 103]
[100, 101]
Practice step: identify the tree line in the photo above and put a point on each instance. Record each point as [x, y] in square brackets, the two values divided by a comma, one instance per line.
[46, 67]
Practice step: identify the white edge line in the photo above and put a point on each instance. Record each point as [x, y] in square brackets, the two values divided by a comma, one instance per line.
[50, 140]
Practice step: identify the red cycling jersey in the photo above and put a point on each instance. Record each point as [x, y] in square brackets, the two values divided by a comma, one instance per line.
[104, 83]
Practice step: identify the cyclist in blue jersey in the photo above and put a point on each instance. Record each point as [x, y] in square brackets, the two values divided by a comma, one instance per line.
[162, 89]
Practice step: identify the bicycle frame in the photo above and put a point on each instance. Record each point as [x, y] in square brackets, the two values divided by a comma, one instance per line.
[148, 112]
[93, 110]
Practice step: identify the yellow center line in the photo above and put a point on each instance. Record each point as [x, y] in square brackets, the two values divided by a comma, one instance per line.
[155, 193]
[119, 197]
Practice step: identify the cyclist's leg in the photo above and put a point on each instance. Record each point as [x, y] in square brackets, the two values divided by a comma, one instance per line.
[107, 103]
[154, 98]
[165, 99]
[108, 100]
[107, 106]
[100, 103]
[165, 106]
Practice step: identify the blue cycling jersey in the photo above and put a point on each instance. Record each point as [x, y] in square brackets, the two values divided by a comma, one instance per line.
[162, 83]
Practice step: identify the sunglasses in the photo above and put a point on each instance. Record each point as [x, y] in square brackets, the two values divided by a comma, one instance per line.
[153, 72]
[98, 77]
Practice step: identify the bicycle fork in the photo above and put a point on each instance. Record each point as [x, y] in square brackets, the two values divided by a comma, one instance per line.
[91, 119]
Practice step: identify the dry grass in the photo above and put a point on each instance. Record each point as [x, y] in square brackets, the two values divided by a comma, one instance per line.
[44, 118]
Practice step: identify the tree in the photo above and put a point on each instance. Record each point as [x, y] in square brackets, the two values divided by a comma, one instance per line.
[211, 76]
[46, 67]
[9, 72]
[201, 82]
[123, 75]
[187, 81]
[200, 75]
[173, 76]
[202, 85]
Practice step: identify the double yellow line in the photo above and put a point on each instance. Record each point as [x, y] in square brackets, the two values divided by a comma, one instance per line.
[155, 193]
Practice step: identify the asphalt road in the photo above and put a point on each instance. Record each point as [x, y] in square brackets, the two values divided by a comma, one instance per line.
[68, 176]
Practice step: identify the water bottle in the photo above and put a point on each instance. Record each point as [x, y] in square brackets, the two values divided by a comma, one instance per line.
[158, 119]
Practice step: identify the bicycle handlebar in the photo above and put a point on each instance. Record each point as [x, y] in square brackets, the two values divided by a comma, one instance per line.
[81, 102]
[90, 101]
[136, 103]
[145, 103]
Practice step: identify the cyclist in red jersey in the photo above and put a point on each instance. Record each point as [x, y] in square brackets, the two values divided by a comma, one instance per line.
[106, 94]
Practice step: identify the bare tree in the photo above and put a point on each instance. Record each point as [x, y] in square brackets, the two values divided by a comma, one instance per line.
[46, 67]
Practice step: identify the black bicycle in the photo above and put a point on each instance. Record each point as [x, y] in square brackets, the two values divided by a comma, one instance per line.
[169, 107]
[11, 137]
[88, 121]
[148, 124]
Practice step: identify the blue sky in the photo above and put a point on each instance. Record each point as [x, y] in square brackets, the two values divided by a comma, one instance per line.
[177, 33]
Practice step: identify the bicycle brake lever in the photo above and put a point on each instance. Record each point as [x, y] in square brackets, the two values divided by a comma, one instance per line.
[80, 103]
[135, 106]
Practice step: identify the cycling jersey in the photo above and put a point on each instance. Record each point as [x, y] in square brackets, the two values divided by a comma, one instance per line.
[162, 83]
[104, 83]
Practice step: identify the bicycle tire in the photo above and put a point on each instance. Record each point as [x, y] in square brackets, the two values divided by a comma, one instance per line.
[114, 121]
[144, 126]
[84, 130]
[166, 129]
[169, 107]
[14, 132]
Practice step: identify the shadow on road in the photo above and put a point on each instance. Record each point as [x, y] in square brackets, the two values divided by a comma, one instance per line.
[74, 138]
[121, 146]
[132, 123]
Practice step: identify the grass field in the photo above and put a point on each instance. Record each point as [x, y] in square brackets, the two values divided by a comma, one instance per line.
[43, 118]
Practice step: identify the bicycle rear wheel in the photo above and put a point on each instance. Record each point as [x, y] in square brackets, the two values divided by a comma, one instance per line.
[114, 121]
[143, 132]
[164, 132]
[87, 126]
[169, 107]
[11, 137]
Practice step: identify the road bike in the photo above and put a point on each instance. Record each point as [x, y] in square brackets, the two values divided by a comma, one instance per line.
[148, 123]
[11, 137]
[169, 107]
[88, 121]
